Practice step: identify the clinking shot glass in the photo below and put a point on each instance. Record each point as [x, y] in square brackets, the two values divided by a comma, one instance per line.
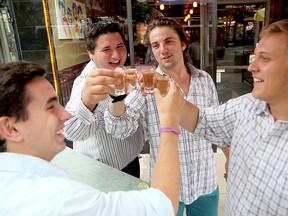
[131, 79]
[120, 86]
[148, 79]
[162, 84]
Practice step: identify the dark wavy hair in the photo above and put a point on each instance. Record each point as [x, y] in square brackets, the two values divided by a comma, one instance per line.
[94, 30]
[14, 97]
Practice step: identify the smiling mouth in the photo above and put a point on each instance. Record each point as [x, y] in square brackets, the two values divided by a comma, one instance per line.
[60, 132]
[115, 63]
[166, 57]
[257, 80]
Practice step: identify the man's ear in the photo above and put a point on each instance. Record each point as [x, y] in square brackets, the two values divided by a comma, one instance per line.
[90, 54]
[8, 130]
[183, 46]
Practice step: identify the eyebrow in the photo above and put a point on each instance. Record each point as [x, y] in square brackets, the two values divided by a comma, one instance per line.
[52, 99]
[109, 47]
[263, 53]
[169, 38]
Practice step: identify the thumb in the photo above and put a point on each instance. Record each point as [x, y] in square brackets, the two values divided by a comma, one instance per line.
[157, 94]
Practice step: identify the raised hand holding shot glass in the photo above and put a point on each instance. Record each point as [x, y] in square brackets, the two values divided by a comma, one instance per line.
[170, 107]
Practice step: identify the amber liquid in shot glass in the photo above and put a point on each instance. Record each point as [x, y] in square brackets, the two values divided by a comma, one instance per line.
[162, 84]
[120, 87]
[148, 78]
[131, 78]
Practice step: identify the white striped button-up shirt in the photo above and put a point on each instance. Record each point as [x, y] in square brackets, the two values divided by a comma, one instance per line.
[87, 130]
[197, 164]
[258, 167]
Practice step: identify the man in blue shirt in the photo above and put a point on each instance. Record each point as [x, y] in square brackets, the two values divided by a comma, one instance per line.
[31, 135]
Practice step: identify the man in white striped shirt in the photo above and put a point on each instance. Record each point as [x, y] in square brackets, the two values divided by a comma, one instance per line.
[256, 127]
[89, 99]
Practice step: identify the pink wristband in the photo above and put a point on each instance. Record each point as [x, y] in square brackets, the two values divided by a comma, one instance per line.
[168, 129]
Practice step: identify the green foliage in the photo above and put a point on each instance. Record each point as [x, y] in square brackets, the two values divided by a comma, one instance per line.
[140, 11]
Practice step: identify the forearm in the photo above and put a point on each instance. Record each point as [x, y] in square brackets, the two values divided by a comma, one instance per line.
[118, 123]
[189, 118]
[166, 175]
[167, 168]
[77, 130]
[130, 115]
[116, 109]
[83, 123]
[226, 151]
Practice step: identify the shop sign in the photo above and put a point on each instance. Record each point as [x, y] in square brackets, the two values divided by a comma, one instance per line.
[240, 6]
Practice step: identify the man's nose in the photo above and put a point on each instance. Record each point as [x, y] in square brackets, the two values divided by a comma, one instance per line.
[115, 53]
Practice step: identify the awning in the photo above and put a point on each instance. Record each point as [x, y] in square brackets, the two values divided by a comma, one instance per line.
[260, 15]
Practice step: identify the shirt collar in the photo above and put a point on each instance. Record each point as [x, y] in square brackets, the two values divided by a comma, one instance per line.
[194, 71]
[94, 66]
[263, 109]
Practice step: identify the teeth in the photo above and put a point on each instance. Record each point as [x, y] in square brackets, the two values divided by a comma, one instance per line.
[257, 80]
[60, 132]
[115, 62]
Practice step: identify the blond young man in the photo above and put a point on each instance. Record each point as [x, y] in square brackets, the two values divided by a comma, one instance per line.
[255, 125]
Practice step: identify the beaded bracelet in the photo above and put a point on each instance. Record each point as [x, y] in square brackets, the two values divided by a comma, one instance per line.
[168, 129]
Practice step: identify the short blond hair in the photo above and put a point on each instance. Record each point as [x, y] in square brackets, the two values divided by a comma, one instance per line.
[276, 28]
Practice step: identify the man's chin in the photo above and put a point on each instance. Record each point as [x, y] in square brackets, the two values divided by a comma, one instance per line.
[61, 146]
[258, 96]
[254, 94]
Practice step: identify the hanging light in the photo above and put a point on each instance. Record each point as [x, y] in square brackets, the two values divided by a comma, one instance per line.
[187, 17]
[162, 6]
[195, 4]
[191, 11]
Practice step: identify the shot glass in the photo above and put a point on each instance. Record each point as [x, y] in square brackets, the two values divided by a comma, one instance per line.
[162, 84]
[120, 87]
[131, 78]
[148, 78]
